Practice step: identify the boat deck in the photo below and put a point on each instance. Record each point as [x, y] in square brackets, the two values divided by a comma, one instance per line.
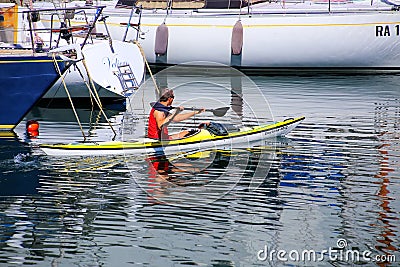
[12, 51]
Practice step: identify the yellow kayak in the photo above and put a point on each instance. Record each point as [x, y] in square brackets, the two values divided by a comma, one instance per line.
[199, 139]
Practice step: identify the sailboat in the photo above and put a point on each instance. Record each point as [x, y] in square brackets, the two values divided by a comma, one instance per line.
[30, 64]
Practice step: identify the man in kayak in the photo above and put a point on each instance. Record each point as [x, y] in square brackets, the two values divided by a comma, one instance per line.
[160, 117]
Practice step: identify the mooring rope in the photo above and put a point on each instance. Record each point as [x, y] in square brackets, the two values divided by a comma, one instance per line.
[97, 98]
[147, 65]
[68, 94]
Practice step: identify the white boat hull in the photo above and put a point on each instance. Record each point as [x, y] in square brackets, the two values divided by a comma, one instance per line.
[102, 68]
[315, 41]
[103, 60]
[276, 40]
[275, 35]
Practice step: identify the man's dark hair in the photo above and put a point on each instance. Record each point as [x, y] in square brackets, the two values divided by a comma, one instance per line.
[166, 94]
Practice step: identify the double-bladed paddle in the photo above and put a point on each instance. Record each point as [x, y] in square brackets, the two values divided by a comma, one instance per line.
[219, 112]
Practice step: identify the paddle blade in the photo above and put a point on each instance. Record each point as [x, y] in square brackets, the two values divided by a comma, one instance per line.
[219, 112]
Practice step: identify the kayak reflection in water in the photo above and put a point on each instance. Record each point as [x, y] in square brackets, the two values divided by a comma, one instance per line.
[161, 167]
[160, 116]
[163, 175]
[180, 178]
[187, 170]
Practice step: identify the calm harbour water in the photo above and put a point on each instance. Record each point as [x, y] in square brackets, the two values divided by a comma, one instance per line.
[332, 183]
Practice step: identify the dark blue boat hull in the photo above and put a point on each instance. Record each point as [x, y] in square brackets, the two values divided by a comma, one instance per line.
[23, 81]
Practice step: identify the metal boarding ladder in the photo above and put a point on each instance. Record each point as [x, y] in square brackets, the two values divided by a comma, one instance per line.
[127, 79]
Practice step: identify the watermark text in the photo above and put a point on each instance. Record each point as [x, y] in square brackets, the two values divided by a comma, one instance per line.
[342, 252]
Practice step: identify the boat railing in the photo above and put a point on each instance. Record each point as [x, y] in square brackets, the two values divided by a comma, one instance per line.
[136, 26]
[31, 34]
[65, 30]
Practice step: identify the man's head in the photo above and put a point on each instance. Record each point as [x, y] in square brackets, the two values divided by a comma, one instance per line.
[167, 96]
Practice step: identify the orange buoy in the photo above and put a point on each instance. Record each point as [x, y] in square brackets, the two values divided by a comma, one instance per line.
[32, 128]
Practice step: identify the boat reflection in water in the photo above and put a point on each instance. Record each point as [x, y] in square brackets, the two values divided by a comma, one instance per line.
[387, 123]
